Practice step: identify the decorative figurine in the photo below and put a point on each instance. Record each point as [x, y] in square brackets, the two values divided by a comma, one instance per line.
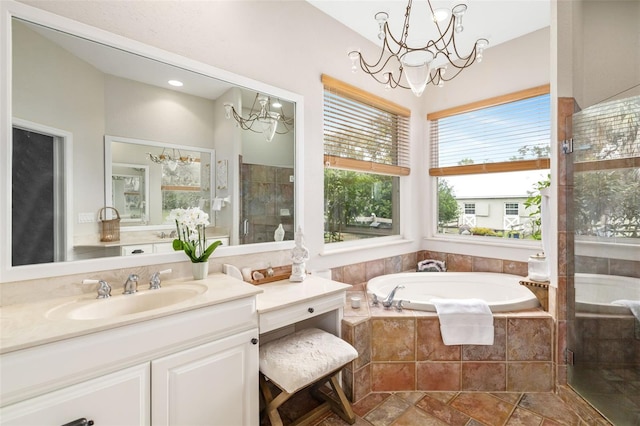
[299, 255]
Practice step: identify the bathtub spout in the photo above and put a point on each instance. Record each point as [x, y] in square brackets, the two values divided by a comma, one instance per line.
[388, 301]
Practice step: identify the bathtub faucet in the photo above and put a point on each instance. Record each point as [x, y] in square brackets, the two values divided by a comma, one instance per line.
[388, 301]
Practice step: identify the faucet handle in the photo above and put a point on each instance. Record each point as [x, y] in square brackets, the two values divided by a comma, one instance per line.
[154, 282]
[104, 289]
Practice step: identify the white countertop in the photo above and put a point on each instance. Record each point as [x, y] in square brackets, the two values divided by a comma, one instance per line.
[26, 325]
[32, 324]
[280, 294]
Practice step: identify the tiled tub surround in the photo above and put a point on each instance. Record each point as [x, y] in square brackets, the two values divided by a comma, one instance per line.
[403, 351]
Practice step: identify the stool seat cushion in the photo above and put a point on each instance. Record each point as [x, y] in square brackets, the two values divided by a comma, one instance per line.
[301, 358]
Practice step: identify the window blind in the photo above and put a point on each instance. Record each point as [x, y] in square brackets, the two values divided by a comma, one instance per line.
[507, 136]
[363, 132]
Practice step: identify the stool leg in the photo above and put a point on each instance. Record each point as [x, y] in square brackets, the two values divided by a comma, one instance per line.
[271, 403]
[345, 411]
[340, 405]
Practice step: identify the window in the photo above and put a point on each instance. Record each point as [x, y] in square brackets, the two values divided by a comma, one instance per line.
[366, 151]
[511, 209]
[496, 151]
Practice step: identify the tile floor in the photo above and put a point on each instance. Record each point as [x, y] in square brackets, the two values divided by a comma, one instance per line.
[449, 408]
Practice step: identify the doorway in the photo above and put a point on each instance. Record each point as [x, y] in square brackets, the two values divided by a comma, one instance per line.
[37, 197]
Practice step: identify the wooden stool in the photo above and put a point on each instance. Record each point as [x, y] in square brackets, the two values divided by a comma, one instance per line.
[309, 357]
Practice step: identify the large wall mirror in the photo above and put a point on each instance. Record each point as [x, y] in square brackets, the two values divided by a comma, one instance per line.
[99, 124]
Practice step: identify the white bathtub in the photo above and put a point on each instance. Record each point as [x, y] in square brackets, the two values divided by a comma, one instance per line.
[502, 292]
[594, 293]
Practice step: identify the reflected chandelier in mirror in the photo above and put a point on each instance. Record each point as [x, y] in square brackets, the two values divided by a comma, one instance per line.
[71, 84]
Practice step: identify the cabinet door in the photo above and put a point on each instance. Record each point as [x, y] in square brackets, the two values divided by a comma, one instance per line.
[212, 384]
[117, 399]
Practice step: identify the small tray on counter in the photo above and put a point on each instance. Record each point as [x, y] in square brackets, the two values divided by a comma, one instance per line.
[279, 273]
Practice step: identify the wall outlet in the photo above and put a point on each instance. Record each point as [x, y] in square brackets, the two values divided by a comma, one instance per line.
[291, 178]
[86, 217]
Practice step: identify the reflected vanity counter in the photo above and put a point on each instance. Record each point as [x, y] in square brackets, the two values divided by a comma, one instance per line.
[136, 242]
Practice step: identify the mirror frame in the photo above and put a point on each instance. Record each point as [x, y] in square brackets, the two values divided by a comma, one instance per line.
[108, 173]
[108, 192]
[10, 9]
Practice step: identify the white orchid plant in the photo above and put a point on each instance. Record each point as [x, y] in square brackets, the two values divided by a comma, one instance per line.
[191, 224]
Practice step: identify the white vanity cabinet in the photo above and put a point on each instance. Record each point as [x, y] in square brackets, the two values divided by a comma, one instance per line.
[194, 367]
[207, 385]
[120, 398]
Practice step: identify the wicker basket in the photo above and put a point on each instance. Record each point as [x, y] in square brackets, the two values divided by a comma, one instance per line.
[109, 228]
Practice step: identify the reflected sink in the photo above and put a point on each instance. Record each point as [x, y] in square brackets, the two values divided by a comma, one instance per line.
[120, 305]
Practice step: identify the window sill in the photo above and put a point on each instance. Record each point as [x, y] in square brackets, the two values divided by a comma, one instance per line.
[351, 246]
[503, 248]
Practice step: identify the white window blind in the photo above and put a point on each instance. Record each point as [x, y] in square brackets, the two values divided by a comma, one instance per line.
[363, 132]
[511, 131]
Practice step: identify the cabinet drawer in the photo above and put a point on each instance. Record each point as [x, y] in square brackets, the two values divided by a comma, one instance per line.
[163, 248]
[120, 398]
[137, 249]
[300, 311]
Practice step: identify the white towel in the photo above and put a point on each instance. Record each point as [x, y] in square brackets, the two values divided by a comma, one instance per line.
[465, 321]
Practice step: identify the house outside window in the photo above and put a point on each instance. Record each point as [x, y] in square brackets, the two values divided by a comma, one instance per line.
[366, 152]
[490, 154]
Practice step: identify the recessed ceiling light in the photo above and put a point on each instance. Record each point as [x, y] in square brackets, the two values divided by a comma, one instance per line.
[175, 83]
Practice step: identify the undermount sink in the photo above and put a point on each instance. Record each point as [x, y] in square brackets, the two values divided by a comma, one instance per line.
[120, 305]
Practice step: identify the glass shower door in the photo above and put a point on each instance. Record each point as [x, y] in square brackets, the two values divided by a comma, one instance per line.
[604, 335]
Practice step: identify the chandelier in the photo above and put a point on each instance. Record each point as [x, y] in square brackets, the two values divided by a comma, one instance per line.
[420, 65]
[262, 120]
[171, 160]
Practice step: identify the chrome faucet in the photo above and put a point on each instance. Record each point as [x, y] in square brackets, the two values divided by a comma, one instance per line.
[131, 285]
[104, 289]
[154, 282]
[388, 301]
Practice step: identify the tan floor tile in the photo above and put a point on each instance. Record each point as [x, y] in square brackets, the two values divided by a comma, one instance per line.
[368, 403]
[522, 417]
[444, 396]
[549, 406]
[410, 397]
[442, 411]
[414, 417]
[510, 397]
[483, 406]
[387, 412]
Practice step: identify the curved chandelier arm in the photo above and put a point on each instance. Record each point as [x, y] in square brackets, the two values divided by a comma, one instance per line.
[396, 55]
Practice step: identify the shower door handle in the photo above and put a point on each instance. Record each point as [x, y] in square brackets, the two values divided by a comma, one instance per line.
[245, 227]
